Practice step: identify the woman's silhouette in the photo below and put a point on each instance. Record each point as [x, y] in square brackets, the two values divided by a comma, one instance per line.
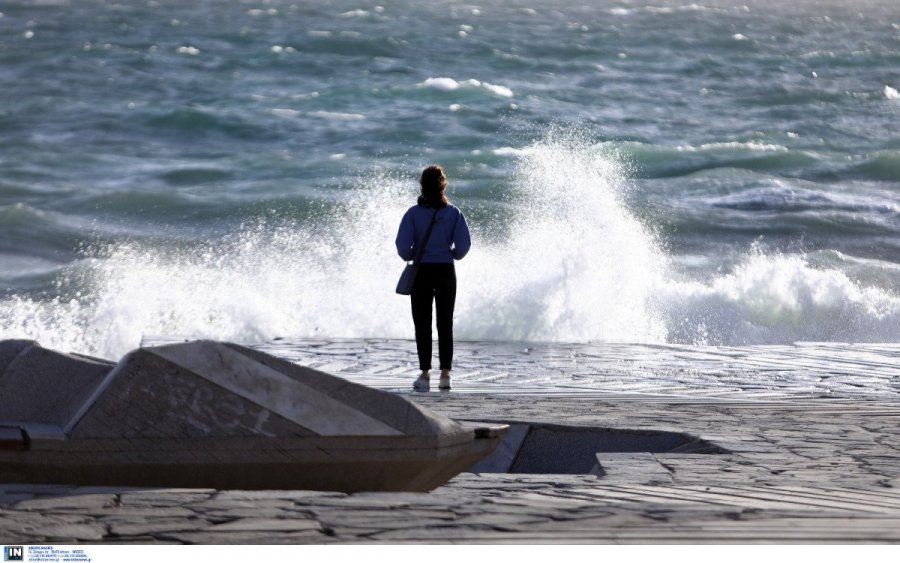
[436, 277]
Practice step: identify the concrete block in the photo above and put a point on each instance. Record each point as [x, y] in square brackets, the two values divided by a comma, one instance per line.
[300, 402]
[634, 467]
[390, 409]
[501, 460]
[9, 349]
[206, 414]
[148, 396]
[46, 386]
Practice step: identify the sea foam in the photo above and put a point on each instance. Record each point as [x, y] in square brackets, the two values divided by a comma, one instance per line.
[778, 299]
[565, 259]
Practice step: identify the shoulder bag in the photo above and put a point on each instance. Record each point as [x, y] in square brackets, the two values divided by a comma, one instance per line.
[408, 277]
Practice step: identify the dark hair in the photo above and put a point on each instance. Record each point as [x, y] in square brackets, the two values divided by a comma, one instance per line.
[433, 183]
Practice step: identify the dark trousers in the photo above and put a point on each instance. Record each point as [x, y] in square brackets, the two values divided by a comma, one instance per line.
[437, 283]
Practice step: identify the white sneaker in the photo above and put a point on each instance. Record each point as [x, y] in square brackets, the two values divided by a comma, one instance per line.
[444, 382]
[422, 384]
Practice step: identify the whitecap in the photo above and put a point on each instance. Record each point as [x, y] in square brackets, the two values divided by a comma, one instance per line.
[188, 50]
[512, 151]
[449, 84]
[732, 145]
[891, 93]
[441, 83]
[354, 14]
[337, 115]
[498, 90]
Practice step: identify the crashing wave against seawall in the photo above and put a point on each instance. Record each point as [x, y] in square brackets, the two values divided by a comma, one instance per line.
[571, 263]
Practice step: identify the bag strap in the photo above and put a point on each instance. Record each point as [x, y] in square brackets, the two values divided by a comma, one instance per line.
[421, 249]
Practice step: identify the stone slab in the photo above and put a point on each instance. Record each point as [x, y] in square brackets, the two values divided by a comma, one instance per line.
[502, 459]
[47, 386]
[256, 382]
[632, 467]
[776, 486]
[9, 349]
[267, 525]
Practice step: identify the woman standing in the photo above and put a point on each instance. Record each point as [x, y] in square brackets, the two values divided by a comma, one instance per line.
[436, 278]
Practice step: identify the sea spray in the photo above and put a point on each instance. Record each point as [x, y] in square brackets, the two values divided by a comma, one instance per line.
[576, 264]
[573, 265]
[566, 259]
[778, 299]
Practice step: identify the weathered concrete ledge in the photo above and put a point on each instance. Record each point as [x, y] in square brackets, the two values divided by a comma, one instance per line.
[817, 471]
[215, 414]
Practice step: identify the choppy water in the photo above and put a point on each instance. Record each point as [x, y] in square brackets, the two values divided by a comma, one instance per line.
[655, 171]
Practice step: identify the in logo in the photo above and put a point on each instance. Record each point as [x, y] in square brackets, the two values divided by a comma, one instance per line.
[13, 553]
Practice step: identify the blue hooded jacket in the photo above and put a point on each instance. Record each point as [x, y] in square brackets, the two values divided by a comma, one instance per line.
[449, 239]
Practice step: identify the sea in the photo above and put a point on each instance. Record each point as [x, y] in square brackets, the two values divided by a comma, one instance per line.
[686, 179]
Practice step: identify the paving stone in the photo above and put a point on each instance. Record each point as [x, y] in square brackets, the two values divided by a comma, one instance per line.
[230, 503]
[499, 521]
[240, 538]
[40, 528]
[167, 497]
[228, 514]
[534, 500]
[778, 487]
[66, 503]
[296, 496]
[137, 540]
[348, 534]
[385, 501]
[129, 513]
[382, 522]
[267, 525]
[155, 526]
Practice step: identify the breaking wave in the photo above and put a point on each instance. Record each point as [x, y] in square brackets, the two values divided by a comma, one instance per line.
[565, 260]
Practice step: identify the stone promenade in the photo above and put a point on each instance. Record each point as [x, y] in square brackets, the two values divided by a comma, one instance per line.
[797, 470]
